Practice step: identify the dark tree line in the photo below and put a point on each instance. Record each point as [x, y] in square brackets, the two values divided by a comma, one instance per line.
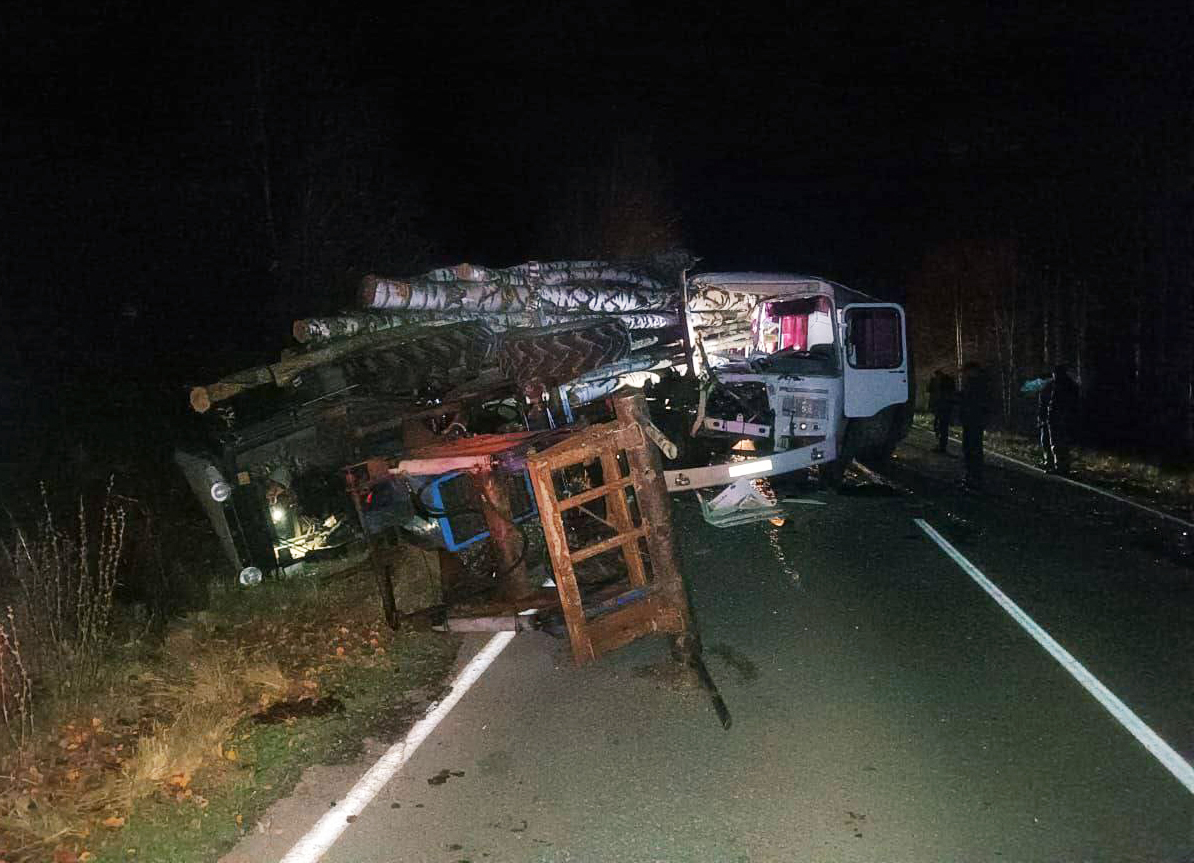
[181, 187]
[1094, 270]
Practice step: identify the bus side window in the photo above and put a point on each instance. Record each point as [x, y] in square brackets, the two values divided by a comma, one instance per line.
[873, 339]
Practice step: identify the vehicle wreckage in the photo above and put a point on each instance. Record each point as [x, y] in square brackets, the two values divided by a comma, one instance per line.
[431, 403]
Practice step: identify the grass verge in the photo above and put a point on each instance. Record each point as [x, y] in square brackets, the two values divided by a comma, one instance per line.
[187, 744]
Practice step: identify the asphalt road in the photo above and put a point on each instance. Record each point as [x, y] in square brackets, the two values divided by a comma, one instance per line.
[885, 708]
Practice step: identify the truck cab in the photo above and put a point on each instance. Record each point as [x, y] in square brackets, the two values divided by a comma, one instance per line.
[821, 377]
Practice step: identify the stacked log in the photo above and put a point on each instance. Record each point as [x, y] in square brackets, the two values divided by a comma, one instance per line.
[649, 302]
[562, 284]
[719, 300]
[498, 297]
[288, 368]
[321, 330]
[535, 294]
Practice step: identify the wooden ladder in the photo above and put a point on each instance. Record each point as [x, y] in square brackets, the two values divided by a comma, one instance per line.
[655, 600]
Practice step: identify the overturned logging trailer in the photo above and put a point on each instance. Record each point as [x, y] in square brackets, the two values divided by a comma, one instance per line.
[431, 399]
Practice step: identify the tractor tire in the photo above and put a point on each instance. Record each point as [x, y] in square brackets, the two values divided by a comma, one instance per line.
[877, 457]
[555, 355]
[879, 454]
[431, 359]
[831, 476]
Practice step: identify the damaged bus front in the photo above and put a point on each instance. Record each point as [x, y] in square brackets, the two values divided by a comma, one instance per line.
[820, 378]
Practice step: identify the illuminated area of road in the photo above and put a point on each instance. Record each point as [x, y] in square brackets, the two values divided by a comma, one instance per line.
[327, 829]
[1162, 751]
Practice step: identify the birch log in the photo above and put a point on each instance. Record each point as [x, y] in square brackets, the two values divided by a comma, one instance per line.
[718, 318]
[718, 300]
[315, 331]
[549, 273]
[555, 287]
[593, 286]
[326, 329]
[427, 295]
[288, 368]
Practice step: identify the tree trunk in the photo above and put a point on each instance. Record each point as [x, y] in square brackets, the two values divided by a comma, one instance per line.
[559, 287]
[424, 294]
[287, 369]
[1083, 317]
[958, 322]
[263, 160]
[315, 331]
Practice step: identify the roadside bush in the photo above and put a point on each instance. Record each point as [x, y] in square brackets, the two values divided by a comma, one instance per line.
[16, 685]
[57, 583]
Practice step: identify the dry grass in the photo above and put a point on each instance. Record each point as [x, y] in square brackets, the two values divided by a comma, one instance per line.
[58, 581]
[162, 726]
[197, 697]
[16, 683]
[207, 703]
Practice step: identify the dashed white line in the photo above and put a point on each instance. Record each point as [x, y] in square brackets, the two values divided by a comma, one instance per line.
[1151, 741]
[327, 829]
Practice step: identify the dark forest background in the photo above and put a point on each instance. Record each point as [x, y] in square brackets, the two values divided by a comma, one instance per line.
[180, 185]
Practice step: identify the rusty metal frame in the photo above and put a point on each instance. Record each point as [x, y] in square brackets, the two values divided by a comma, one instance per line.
[484, 457]
[655, 604]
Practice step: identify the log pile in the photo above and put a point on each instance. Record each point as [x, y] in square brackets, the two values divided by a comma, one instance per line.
[589, 286]
[648, 300]
[319, 331]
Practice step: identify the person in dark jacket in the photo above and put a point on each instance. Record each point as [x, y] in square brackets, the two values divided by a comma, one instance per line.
[942, 394]
[1056, 406]
[1043, 395]
[974, 404]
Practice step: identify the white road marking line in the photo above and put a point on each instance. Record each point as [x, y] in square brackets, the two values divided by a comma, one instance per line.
[1161, 750]
[327, 829]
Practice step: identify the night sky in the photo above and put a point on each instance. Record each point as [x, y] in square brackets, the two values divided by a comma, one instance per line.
[139, 144]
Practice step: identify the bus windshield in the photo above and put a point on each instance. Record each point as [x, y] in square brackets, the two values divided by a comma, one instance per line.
[795, 336]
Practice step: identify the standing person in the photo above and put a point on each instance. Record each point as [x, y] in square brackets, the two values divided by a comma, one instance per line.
[1043, 396]
[942, 393]
[974, 401]
[1056, 406]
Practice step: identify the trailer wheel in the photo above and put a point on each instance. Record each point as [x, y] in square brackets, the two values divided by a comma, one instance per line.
[557, 354]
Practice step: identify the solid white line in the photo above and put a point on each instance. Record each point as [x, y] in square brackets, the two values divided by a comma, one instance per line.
[327, 829]
[1087, 486]
[1097, 490]
[1161, 750]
